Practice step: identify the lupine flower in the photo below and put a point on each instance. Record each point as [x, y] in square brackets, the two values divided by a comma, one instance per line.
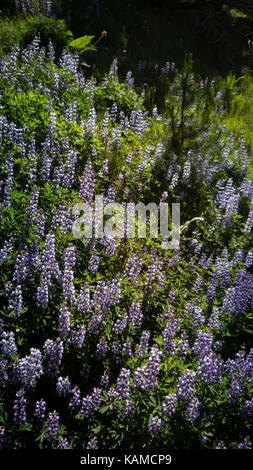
[87, 184]
[127, 348]
[203, 343]
[19, 408]
[52, 426]
[63, 444]
[91, 402]
[185, 385]
[92, 444]
[76, 398]
[27, 370]
[155, 426]
[64, 320]
[209, 368]
[101, 348]
[63, 386]
[40, 410]
[192, 410]
[3, 370]
[77, 337]
[6, 250]
[69, 260]
[55, 351]
[169, 335]
[146, 377]
[2, 436]
[169, 406]
[246, 444]
[8, 345]
[135, 314]
[143, 346]
[122, 387]
[128, 411]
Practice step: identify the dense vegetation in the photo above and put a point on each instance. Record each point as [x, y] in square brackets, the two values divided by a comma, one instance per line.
[120, 343]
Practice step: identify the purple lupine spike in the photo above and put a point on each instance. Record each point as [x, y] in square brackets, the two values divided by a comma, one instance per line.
[185, 385]
[63, 444]
[8, 344]
[54, 349]
[133, 268]
[121, 323]
[40, 224]
[101, 348]
[122, 387]
[192, 410]
[203, 343]
[155, 426]
[146, 377]
[83, 301]
[19, 408]
[40, 410]
[15, 301]
[77, 337]
[62, 219]
[52, 425]
[6, 250]
[169, 336]
[87, 183]
[63, 386]
[9, 180]
[92, 444]
[169, 406]
[68, 178]
[95, 323]
[75, 401]
[69, 259]
[2, 436]
[104, 382]
[127, 348]
[182, 347]
[94, 262]
[3, 370]
[91, 402]
[135, 315]
[64, 321]
[209, 369]
[128, 410]
[143, 346]
[27, 370]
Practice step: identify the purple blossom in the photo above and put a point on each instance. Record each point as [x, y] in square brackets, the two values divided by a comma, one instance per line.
[92, 444]
[155, 426]
[101, 348]
[64, 320]
[128, 410]
[146, 377]
[63, 386]
[52, 426]
[8, 344]
[185, 385]
[27, 370]
[77, 337]
[63, 444]
[76, 398]
[40, 410]
[169, 406]
[87, 184]
[192, 410]
[54, 349]
[91, 402]
[19, 408]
